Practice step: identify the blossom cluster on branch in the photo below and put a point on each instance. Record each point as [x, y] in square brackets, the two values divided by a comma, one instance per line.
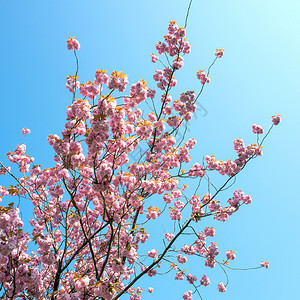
[92, 209]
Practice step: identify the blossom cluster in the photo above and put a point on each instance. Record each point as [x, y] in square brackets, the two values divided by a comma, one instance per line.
[73, 44]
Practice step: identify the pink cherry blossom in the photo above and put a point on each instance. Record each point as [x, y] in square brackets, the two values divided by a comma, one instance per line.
[25, 131]
[201, 75]
[257, 129]
[264, 264]
[154, 58]
[181, 259]
[72, 43]
[209, 231]
[188, 295]
[204, 280]
[152, 253]
[276, 119]
[219, 53]
[230, 255]
[221, 287]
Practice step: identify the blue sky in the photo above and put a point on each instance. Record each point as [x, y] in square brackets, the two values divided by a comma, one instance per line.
[257, 78]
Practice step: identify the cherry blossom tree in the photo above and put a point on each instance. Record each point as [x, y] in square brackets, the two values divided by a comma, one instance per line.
[94, 207]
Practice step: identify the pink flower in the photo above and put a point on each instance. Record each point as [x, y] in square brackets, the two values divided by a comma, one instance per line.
[152, 253]
[209, 231]
[204, 280]
[175, 214]
[190, 143]
[201, 75]
[179, 276]
[191, 279]
[25, 131]
[151, 273]
[72, 43]
[219, 53]
[72, 83]
[153, 213]
[179, 204]
[168, 198]
[177, 193]
[169, 236]
[188, 295]
[181, 259]
[151, 93]
[264, 264]
[150, 290]
[154, 58]
[3, 172]
[196, 170]
[101, 77]
[230, 254]
[221, 287]
[118, 80]
[257, 129]
[178, 63]
[276, 119]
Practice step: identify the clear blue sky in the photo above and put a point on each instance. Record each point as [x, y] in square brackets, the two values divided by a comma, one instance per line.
[258, 77]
